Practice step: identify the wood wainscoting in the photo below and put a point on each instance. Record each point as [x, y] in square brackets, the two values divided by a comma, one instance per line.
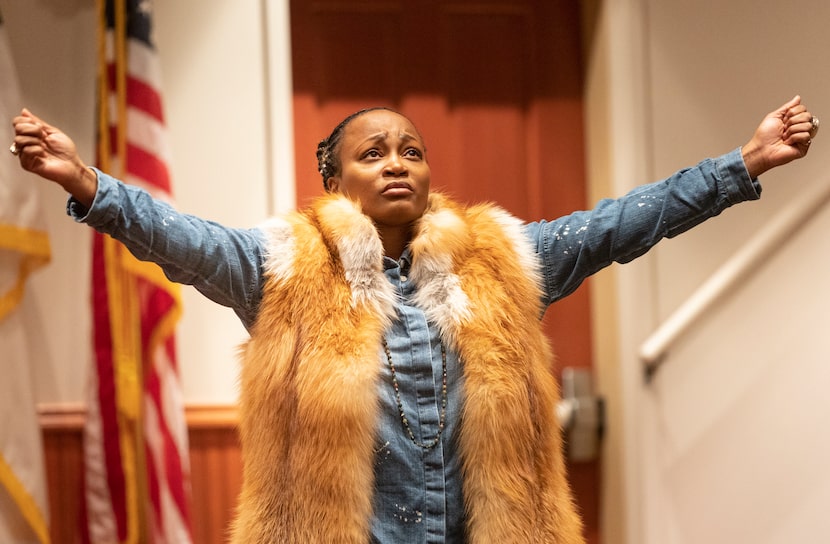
[215, 467]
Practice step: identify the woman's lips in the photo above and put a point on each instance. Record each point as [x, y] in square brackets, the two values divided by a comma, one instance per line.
[397, 189]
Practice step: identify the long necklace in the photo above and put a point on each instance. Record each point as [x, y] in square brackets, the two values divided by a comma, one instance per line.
[442, 420]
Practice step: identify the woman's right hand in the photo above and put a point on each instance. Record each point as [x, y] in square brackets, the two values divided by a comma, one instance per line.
[48, 152]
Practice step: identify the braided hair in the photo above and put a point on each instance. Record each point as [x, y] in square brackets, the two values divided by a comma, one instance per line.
[328, 161]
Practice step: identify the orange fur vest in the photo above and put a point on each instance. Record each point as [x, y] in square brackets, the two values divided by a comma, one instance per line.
[310, 369]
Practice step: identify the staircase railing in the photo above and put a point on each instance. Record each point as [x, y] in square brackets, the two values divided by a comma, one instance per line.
[725, 280]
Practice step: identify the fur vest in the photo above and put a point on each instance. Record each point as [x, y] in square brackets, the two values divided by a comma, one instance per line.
[310, 372]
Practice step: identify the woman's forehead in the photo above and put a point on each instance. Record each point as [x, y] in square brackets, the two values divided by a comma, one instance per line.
[381, 123]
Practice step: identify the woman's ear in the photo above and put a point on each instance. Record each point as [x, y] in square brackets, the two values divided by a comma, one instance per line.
[333, 183]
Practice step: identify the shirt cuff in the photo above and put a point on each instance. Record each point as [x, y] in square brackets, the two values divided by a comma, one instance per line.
[96, 213]
[734, 178]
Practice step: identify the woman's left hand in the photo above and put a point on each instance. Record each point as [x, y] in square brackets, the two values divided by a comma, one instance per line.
[783, 136]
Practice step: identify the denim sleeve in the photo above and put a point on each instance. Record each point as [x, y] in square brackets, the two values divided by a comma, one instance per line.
[223, 263]
[576, 246]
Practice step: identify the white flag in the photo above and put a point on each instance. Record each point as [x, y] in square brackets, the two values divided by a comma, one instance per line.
[24, 246]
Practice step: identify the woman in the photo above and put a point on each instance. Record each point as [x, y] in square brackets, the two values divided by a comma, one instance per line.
[396, 386]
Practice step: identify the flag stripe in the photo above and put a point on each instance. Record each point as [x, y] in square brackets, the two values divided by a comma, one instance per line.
[105, 395]
[146, 98]
[146, 166]
[99, 526]
[169, 452]
[148, 133]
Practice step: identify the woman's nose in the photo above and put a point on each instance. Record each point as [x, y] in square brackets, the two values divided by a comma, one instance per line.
[395, 165]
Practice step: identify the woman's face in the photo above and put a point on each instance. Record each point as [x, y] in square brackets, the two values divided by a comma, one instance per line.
[383, 166]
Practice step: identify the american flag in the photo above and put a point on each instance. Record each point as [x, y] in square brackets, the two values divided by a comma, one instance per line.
[135, 438]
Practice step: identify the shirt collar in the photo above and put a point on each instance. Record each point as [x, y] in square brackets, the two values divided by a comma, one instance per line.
[404, 262]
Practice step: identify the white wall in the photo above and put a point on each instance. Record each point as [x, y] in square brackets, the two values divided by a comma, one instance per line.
[725, 446]
[216, 96]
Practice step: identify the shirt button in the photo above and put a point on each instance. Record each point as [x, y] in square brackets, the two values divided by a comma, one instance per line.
[403, 278]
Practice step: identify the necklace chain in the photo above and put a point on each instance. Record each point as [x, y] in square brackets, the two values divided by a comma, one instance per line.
[442, 420]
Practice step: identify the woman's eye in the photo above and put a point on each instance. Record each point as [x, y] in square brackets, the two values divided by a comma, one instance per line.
[371, 154]
[413, 152]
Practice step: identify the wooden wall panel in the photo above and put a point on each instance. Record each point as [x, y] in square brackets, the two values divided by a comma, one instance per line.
[215, 465]
[216, 473]
[64, 467]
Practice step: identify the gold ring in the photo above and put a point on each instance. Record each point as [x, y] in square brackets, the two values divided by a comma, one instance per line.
[815, 122]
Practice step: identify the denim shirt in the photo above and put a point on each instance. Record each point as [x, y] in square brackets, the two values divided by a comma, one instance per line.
[418, 491]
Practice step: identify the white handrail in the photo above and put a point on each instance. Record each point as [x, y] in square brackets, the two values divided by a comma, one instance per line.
[744, 262]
